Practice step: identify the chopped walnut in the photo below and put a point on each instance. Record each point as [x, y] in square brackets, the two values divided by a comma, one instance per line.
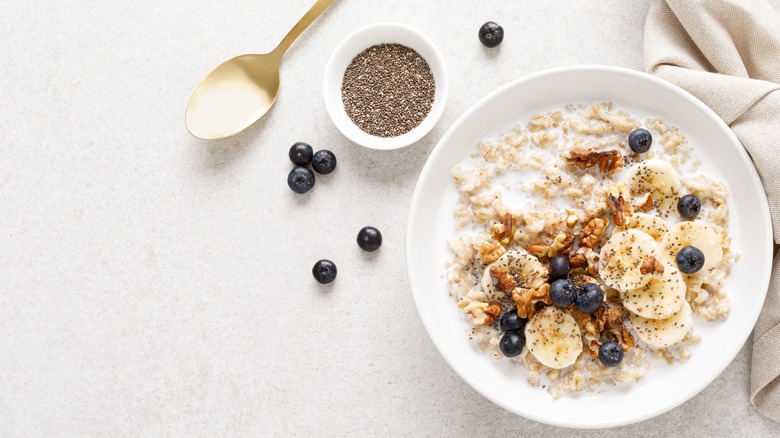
[645, 202]
[617, 324]
[536, 277]
[592, 232]
[592, 257]
[503, 230]
[611, 322]
[538, 250]
[491, 253]
[608, 161]
[651, 266]
[620, 202]
[578, 260]
[501, 279]
[476, 309]
[526, 299]
[493, 311]
[571, 220]
[620, 208]
[562, 244]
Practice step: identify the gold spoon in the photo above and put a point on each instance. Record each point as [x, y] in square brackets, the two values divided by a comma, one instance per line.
[241, 90]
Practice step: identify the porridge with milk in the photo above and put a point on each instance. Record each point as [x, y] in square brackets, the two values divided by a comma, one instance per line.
[620, 244]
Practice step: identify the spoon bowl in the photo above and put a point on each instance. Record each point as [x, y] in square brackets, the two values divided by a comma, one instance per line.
[242, 89]
[233, 96]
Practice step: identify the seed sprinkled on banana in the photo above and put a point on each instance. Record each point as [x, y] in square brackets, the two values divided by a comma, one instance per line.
[662, 333]
[525, 269]
[660, 179]
[622, 258]
[660, 298]
[553, 337]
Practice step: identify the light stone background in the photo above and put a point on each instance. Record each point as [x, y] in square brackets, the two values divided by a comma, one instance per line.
[154, 284]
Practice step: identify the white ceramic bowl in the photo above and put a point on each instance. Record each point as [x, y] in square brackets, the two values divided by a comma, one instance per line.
[431, 224]
[362, 39]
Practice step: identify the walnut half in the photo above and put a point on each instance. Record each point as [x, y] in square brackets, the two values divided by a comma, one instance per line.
[592, 232]
[608, 161]
[491, 253]
[526, 299]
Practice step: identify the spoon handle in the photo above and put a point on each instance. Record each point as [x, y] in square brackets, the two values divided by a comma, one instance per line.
[302, 24]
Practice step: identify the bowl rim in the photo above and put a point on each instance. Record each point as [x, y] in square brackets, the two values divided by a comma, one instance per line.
[369, 141]
[437, 150]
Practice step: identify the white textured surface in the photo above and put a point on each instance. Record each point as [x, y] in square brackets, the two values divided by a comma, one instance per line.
[154, 284]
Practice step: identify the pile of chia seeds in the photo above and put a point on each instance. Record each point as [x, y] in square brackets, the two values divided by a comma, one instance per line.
[388, 90]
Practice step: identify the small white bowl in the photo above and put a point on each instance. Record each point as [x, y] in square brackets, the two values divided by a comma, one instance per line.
[359, 41]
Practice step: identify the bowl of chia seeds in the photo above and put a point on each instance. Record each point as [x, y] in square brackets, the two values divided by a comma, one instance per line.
[385, 86]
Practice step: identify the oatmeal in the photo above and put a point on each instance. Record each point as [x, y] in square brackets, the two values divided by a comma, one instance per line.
[603, 221]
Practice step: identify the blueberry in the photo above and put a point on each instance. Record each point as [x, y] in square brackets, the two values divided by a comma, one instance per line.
[610, 354]
[491, 34]
[323, 162]
[510, 322]
[324, 271]
[690, 259]
[562, 293]
[689, 206]
[640, 140]
[511, 344]
[559, 267]
[300, 154]
[588, 297]
[300, 179]
[369, 239]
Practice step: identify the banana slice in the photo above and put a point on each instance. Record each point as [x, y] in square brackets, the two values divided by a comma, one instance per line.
[660, 298]
[663, 332]
[652, 225]
[622, 257]
[694, 234]
[553, 337]
[659, 178]
[521, 265]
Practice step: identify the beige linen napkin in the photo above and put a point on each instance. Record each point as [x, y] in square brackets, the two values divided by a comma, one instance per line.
[727, 53]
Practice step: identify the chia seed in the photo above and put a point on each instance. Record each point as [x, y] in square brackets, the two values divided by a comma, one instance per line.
[388, 90]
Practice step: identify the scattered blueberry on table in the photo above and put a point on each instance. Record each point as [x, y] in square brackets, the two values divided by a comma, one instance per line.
[559, 267]
[640, 140]
[690, 259]
[511, 344]
[491, 34]
[511, 322]
[610, 354]
[324, 271]
[562, 293]
[301, 153]
[323, 162]
[300, 179]
[588, 298]
[369, 239]
[689, 206]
